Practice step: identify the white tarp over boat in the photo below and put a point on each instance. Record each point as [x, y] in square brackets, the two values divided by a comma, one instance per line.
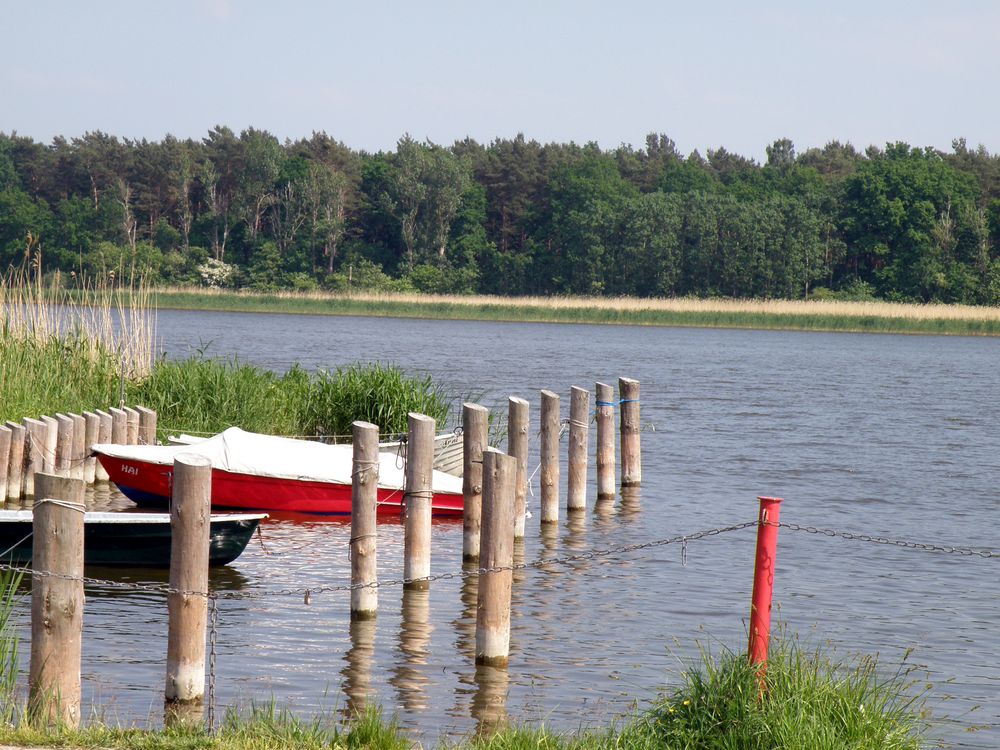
[242, 452]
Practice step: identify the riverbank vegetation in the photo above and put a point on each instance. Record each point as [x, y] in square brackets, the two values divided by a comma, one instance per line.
[513, 217]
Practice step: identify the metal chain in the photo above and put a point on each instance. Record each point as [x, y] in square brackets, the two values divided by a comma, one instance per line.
[213, 603]
[964, 551]
[152, 588]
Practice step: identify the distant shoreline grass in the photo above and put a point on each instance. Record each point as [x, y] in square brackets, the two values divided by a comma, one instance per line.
[813, 315]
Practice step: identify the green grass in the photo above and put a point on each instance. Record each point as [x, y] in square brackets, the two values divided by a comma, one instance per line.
[9, 582]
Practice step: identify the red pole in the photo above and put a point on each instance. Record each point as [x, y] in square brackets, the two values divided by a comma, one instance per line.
[763, 580]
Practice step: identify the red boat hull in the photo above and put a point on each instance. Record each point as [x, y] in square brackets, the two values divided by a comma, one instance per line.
[149, 483]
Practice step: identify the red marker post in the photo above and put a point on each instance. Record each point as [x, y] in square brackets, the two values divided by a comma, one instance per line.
[763, 582]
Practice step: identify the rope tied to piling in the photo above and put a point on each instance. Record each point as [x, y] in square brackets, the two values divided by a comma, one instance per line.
[361, 467]
[68, 504]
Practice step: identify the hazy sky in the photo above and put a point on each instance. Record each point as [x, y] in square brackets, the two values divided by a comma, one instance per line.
[707, 73]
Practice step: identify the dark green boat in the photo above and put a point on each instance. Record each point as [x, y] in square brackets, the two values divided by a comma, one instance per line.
[130, 539]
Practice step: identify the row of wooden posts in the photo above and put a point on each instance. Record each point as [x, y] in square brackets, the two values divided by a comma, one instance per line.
[495, 492]
[61, 445]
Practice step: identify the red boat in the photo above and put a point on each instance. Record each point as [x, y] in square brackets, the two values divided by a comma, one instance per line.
[264, 472]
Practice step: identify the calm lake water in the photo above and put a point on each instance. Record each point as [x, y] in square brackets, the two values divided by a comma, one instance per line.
[895, 436]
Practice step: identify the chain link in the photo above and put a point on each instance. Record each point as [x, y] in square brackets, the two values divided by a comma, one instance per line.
[213, 639]
[964, 551]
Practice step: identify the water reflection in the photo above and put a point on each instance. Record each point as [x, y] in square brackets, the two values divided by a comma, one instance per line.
[630, 505]
[489, 702]
[358, 670]
[409, 674]
[465, 623]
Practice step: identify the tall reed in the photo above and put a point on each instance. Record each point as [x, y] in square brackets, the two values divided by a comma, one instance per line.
[9, 581]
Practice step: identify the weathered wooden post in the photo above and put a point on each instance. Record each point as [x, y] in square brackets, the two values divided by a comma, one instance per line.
[628, 390]
[103, 436]
[119, 426]
[91, 436]
[517, 448]
[51, 444]
[549, 473]
[475, 421]
[15, 460]
[417, 495]
[5, 436]
[147, 426]
[187, 601]
[364, 500]
[604, 394]
[34, 446]
[131, 425]
[56, 602]
[79, 446]
[493, 605]
[64, 444]
[579, 430]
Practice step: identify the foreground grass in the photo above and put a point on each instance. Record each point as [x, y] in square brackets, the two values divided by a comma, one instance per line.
[813, 315]
[812, 702]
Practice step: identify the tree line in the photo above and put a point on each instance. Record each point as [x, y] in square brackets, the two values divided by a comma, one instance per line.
[513, 217]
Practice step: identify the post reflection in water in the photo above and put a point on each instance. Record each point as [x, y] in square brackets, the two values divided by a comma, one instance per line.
[630, 505]
[489, 703]
[357, 671]
[604, 513]
[409, 675]
[465, 623]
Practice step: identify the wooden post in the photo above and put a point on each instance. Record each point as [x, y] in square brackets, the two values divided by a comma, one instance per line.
[550, 457]
[79, 446]
[517, 447]
[364, 498]
[579, 431]
[91, 434]
[147, 426]
[34, 445]
[103, 436]
[64, 444]
[56, 603]
[51, 444]
[475, 421]
[493, 604]
[628, 390]
[119, 426]
[15, 460]
[605, 441]
[131, 425]
[187, 602]
[5, 436]
[417, 495]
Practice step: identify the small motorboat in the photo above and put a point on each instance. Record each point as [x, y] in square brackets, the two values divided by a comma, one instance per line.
[265, 472]
[130, 539]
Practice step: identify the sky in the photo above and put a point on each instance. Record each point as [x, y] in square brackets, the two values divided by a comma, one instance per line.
[707, 73]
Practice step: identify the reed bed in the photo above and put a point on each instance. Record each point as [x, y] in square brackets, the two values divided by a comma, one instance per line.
[9, 582]
[815, 315]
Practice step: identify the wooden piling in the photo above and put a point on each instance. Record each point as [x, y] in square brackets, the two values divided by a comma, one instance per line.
[119, 426]
[91, 434]
[79, 446]
[187, 602]
[364, 499]
[56, 603]
[493, 602]
[103, 436]
[34, 445]
[15, 460]
[51, 444]
[628, 390]
[549, 472]
[64, 445]
[475, 425]
[579, 432]
[517, 447]
[131, 425]
[147, 426]
[605, 409]
[417, 496]
[5, 438]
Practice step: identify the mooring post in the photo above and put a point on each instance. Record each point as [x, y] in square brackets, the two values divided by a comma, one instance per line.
[604, 394]
[763, 582]
[517, 448]
[15, 460]
[34, 448]
[103, 436]
[119, 426]
[493, 602]
[79, 446]
[417, 495]
[579, 433]
[364, 500]
[549, 471]
[64, 444]
[628, 390]
[91, 436]
[5, 436]
[147, 426]
[187, 600]
[51, 444]
[131, 425]
[56, 602]
[475, 422]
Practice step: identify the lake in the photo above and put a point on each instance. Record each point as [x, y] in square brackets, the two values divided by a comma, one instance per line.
[892, 436]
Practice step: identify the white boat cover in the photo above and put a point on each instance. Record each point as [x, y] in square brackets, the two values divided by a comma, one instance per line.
[251, 453]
